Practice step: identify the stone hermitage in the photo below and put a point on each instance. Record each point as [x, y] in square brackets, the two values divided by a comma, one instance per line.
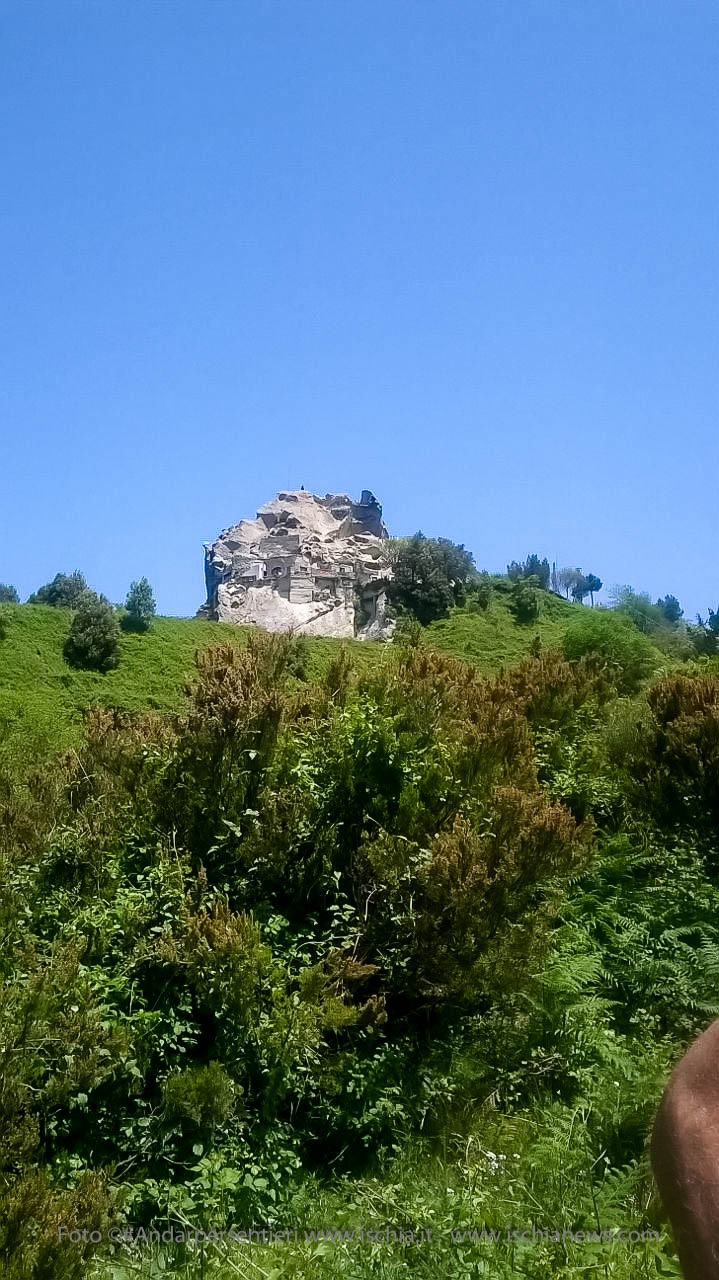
[306, 564]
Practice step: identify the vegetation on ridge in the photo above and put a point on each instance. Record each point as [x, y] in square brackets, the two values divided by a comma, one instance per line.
[351, 934]
[329, 922]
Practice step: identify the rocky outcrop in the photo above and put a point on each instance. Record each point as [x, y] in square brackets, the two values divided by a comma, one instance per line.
[311, 565]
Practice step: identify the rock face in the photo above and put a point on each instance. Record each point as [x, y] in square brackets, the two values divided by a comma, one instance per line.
[312, 565]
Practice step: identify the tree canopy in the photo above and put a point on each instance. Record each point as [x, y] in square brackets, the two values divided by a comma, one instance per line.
[532, 567]
[671, 608]
[94, 634]
[429, 575]
[140, 606]
[63, 592]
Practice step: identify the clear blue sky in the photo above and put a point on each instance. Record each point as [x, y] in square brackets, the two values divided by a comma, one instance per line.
[464, 254]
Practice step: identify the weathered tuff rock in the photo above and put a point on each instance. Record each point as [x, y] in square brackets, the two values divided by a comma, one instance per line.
[315, 566]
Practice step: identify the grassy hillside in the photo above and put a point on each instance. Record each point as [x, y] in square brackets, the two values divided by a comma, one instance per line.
[42, 698]
[492, 639]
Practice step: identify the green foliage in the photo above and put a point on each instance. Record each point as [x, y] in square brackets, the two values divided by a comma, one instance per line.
[42, 699]
[201, 1098]
[492, 638]
[231, 920]
[626, 654]
[226, 742]
[585, 584]
[532, 567]
[354, 934]
[63, 592]
[8, 594]
[676, 758]
[671, 608]
[140, 606]
[705, 635]
[704, 640]
[408, 632]
[429, 575]
[637, 606]
[457, 563]
[93, 639]
[525, 600]
[483, 591]
[33, 1211]
[299, 657]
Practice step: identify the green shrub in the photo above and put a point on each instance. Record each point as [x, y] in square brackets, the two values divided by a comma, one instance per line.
[533, 567]
[63, 592]
[525, 600]
[677, 760]
[300, 922]
[408, 632]
[628, 723]
[226, 744]
[140, 606]
[550, 690]
[671, 608]
[33, 1211]
[298, 657]
[429, 575]
[480, 594]
[705, 635]
[201, 1097]
[482, 906]
[94, 635]
[626, 655]
[483, 593]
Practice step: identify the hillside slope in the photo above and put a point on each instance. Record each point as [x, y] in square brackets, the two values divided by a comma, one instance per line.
[492, 639]
[42, 698]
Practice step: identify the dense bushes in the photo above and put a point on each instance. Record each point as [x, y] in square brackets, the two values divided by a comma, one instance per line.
[705, 635]
[94, 634]
[428, 575]
[481, 596]
[140, 606]
[533, 567]
[525, 600]
[224, 923]
[348, 819]
[304, 920]
[63, 592]
[674, 756]
[626, 654]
